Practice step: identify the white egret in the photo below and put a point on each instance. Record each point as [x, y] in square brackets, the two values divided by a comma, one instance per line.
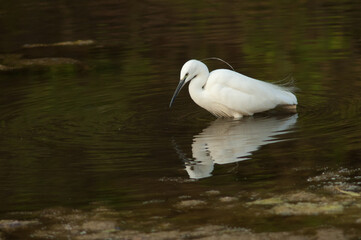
[226, 93]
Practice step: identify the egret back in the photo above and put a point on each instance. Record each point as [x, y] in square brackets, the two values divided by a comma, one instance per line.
[230, 92]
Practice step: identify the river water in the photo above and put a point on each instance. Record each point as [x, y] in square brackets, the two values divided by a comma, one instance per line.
[100, 130]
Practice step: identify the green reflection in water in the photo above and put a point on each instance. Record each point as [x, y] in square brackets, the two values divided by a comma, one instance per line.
[103, 133]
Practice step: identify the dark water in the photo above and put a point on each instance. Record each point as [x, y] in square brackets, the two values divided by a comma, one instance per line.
[72, 136]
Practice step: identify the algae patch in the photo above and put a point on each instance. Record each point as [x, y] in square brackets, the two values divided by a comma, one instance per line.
[211, 193]
[66, 43]
[306, 208]
[185, 204]
[11, 63]
[267, 201]
[14, 225]
[228, 199]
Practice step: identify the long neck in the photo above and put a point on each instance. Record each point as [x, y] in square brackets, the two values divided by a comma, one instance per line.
[196, 86]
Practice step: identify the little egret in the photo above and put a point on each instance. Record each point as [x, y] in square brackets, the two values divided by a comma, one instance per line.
[226, 93]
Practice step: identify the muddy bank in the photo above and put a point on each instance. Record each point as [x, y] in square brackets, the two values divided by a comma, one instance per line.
[210, 215]
[58, 44]
[12, 63]
[329, 208]
[103, 223]
[42, 56]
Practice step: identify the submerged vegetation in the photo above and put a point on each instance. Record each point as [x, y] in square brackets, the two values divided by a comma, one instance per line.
[309, 209]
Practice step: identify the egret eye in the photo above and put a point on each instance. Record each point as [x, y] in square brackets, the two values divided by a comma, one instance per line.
[186, 75]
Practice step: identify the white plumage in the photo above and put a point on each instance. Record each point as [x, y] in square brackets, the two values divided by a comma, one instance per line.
[226, 93]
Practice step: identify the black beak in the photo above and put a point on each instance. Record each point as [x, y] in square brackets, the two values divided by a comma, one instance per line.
[177, 90]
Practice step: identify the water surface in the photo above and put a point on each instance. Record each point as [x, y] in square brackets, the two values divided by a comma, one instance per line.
[102, 132]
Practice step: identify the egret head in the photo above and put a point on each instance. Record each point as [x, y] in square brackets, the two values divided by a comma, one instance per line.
[190, 70]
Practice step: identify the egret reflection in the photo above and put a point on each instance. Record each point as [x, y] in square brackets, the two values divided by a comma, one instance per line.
[228, 141]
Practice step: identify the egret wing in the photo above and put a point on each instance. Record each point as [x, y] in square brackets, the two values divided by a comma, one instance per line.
[244, 94]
